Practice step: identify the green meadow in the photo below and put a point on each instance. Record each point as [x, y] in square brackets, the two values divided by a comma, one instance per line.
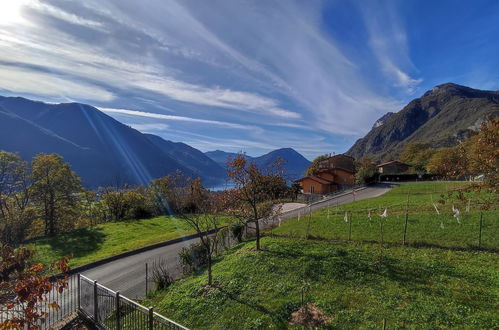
[430, 218]
[107, 239]
[356, 286]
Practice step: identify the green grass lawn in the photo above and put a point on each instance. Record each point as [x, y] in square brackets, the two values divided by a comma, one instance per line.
[105, 240]
[424, 225]
[417, 288]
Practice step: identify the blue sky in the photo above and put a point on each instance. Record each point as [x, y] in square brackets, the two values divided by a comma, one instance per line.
[246, 75]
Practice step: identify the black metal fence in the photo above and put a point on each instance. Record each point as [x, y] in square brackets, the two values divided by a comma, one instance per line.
[108, 309]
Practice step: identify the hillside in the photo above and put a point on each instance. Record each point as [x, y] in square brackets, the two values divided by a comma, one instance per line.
[191, 158]
[220, 157]
[294, 163]
[354, 285]
[100, 149]
[441, 117]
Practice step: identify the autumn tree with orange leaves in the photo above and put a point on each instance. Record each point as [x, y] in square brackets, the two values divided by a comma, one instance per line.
[256, 189]
[23, 288]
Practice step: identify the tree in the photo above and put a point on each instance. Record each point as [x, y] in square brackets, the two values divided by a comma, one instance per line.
[366, 170]
[417, 154]
[484, 152]
[161, 191]
[251, 199]
[23, 288]
[124, 203]
[295, 190]
[16, 215]
[54, 189]
[451, 163]
[201, 210]
[314, 167]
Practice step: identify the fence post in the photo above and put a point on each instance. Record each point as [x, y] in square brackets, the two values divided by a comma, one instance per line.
[384, 324]
[406, 218]
[78, 293]
[381, 225]
[146, 279]
[309, 219]
[96, 304]
[405, 227]
[350, 227]
[151, 318]
[118, 311]
[480, 234]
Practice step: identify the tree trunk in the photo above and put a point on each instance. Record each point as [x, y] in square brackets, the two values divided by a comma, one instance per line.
[257, 229]
[210, 279]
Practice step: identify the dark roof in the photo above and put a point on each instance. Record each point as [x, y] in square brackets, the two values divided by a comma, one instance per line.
[317, 179]
[391, 162]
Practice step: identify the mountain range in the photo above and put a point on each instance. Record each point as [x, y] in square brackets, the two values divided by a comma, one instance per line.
[441, 117]
[294, 164]
[100, 149]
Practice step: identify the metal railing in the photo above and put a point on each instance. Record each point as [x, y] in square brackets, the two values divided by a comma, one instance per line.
[108, 309]
[66, 300]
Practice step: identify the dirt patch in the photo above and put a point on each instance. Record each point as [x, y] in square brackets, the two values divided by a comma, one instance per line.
[309, 316]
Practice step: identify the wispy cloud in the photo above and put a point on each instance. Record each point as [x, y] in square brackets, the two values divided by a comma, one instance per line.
[47, 9]
[21, 80]
[176, 118]
[269, 70]
[388, 41]
[150, 128]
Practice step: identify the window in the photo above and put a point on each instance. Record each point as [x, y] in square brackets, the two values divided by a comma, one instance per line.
[312, 189]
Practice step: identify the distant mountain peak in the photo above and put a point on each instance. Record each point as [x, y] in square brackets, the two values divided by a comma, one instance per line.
[382, 120]
[440, 117]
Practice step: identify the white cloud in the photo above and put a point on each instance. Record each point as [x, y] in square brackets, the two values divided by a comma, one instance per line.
[63, 15]
[147, 128]
[388, 42]
[251, 64]
[177, 118]
[19, 80]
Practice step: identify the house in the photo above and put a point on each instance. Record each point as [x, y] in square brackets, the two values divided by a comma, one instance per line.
[393, 167]
[333, 174]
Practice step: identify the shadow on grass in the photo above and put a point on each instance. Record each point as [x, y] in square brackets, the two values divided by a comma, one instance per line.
[416, 244]
[276, 318]
[77, 243]
[342, 264]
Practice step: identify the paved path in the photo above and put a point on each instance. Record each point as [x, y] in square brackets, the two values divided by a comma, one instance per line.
[127, 275]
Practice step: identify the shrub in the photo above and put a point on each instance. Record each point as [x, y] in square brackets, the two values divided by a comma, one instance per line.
[161, 274]
[192, 258]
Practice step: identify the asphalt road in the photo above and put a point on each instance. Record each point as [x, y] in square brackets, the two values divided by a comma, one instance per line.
[127, 275]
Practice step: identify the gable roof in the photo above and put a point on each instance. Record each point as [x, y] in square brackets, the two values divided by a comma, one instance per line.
[392, 162]
[317, 179]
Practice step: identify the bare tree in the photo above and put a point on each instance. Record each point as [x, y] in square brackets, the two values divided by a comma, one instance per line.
[201, 210]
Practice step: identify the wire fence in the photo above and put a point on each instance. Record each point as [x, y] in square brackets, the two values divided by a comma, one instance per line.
[398, 223]
[66, 302]
[110, 310]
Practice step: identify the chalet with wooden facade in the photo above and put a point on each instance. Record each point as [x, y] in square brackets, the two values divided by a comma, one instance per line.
[393, 167]
[333, 174]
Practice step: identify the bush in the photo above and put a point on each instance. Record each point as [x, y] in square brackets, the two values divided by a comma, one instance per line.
[161, 275]
[192, 258]
[237, 232]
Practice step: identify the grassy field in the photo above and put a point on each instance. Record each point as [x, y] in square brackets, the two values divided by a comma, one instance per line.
[418, 288]
[105, 240]
[424, 226]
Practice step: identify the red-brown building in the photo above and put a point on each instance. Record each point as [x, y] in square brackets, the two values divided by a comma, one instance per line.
[334, 172]
[393, 167]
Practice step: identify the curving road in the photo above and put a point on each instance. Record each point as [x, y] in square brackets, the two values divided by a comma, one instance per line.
[127, 275]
